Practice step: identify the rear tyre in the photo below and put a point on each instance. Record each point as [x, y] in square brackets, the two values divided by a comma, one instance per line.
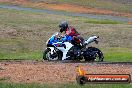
[98, 55]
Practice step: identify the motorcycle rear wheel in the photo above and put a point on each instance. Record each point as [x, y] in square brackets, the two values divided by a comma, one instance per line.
[98, 55]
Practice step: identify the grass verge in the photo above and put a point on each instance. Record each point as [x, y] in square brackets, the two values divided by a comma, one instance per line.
[117, 55]
[22, 56]
[94, 21]
[71, 85]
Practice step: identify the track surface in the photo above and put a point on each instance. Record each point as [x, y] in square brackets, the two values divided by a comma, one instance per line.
[100, 17]
[55, 72]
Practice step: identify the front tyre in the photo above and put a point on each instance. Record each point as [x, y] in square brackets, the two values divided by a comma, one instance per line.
[47, 55]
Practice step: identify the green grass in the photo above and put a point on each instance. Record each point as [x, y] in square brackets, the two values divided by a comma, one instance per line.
[118, 54]
[94, 21]
[71, 85]
[4, 78]
[119, 57]
[15, 85]
[22, 56]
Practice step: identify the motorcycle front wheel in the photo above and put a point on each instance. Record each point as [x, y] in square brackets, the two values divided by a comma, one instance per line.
[47, 55]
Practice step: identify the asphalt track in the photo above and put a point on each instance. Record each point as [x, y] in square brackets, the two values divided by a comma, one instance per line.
[93, 16]
[104, 62]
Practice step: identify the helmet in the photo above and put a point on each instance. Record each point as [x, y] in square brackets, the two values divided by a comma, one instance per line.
[63, 26]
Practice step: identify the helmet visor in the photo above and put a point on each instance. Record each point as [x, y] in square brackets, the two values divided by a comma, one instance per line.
[61, 29]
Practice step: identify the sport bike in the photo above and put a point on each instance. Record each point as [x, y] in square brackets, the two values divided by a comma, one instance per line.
[67, 50]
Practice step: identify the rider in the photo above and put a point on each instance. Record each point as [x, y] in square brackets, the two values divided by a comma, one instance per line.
[70, 32]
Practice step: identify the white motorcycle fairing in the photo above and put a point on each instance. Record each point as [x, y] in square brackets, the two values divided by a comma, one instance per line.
[65, 49]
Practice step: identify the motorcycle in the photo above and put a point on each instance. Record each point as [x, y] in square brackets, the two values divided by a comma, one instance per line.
[67, 50]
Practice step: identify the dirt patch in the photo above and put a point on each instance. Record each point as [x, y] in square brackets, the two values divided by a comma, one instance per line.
[67, 7]
[80, 9]
[5, 0]
[49, 72]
